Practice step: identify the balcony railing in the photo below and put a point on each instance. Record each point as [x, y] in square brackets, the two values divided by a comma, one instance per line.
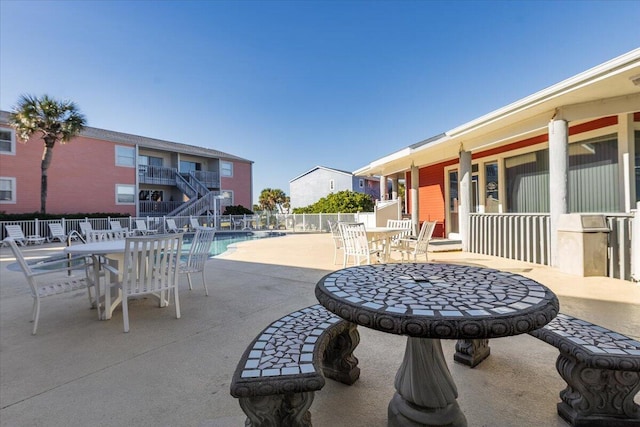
[210, 179]
[156, 175]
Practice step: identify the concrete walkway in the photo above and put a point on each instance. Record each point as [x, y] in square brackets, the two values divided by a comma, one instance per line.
[79, 371]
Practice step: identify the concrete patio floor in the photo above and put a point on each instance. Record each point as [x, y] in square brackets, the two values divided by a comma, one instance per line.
[79, 371]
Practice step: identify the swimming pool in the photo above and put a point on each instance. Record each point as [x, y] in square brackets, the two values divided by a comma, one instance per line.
[222, 240]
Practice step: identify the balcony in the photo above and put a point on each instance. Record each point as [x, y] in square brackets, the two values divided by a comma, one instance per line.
[156, 175]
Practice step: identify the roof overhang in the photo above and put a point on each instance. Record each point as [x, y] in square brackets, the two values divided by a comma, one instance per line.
[608, 89]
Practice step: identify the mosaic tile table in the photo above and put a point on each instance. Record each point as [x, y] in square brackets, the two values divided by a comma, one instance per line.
[429, 302]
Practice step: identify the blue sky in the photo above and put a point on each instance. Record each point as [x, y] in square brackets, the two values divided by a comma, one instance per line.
[295, 84]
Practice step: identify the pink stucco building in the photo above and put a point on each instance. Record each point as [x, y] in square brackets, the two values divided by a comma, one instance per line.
[113, 172]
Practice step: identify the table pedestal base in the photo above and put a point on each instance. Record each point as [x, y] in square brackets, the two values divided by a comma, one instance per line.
[403, 414]
[426, 394]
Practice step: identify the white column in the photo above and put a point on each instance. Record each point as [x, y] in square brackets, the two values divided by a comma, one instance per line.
[415, 184]
[383, 188]
[464, 204]
[626, 152]
[558, 179]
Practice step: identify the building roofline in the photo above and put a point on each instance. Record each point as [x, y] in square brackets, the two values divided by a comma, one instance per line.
[146, 142]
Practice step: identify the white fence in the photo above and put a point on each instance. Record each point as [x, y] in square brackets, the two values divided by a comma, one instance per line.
[526, 237]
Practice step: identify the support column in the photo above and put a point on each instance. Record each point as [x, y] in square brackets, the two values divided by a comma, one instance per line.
[464, 204]
[415, 184]
[394, 187]
[558, 179]
[384, 195]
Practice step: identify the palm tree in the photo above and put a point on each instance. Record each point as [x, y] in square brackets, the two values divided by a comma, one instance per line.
[272, 199]
[54, 120]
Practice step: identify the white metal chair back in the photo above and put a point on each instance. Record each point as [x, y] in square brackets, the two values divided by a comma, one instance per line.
[419, 246]
[54, 284]
[15, 233]
[336, 235]
[406, 224]
[150, 267]
[199, 253]
[356, 243]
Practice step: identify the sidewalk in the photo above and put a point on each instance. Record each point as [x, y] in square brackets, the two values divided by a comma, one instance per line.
[79, 371]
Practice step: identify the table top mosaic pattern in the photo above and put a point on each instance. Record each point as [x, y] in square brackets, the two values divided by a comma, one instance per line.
[591, 343]
[438, 300]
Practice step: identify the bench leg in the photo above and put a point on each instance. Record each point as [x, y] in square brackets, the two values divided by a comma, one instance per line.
[471, 352]
[339, 363]
[597, 397]
[278, 410]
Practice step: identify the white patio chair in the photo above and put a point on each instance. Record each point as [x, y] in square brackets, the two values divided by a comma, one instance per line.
[85, 227]
[15, 233]
[48, 279]
[102, 235]
[338, 243]
[356, 243]
[196, 225]
[199, 253]
[172, 227]
[116, 226]
[412, 247]
[141, 228]
[58, 233]
[149, 267]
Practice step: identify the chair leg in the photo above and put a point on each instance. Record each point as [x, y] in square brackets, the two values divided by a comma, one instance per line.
[189, 280]
[125, 313]
[204, 283]
[176, 301]
[35, 315]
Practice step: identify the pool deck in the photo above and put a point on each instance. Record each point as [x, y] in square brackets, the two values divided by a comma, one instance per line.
[79, 371]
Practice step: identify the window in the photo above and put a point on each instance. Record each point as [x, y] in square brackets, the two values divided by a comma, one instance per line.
[492, 203]
[156, 196]
[527, 179]
[7, 141]
[7, 190]
[361, 183]
[150, 161]
[453, 201]
[125, 194]
[332, 185]
[125, 156]
[226, 169]
[186, 166]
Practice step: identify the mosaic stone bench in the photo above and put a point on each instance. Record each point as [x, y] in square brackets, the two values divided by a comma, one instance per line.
[281, 369]
[602, 371]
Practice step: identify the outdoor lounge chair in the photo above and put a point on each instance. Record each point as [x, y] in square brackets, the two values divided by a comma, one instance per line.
[141, 228]
[172, 227]
[85, 227]
[57, 232]
[15, 233]
[338, 243]
[116, 226]
[47, 280]
[196, 225]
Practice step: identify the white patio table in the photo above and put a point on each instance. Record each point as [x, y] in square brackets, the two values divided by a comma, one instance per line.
[114, 251]
[383, 235]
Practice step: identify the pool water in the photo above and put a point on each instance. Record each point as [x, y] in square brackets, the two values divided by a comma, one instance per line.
[221, 241]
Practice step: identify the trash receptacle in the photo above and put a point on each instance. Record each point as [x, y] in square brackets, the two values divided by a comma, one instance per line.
[582, 244]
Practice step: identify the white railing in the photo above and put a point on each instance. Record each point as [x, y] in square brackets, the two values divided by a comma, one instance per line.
[526, 237]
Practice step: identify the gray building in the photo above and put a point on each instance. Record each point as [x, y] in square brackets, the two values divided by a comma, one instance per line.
[320, 181]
